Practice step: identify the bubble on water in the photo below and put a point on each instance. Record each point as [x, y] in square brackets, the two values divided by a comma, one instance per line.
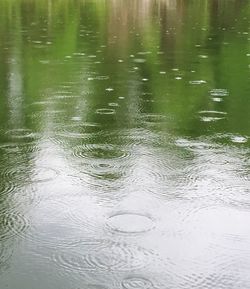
[102, 77]
[144, 52]
[113, 104]
[137, 282]
[44, 61]
[78, 53]
[212, 115]
[130, 222]
[217, 99]
[219, 92]
[139, 60]
[203, 56]
[76, 118]
[197, 82]
[109, 89]
[105, 111]
[239, 139]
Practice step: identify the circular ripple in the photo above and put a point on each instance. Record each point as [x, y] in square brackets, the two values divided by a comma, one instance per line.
[109, 256]
[130, 223]
[239, 139]
[6, 188]
[81, 130]
[44, 174]
[136, 282]
[212, 115]
[153, 119]
[105, 111]
[20, 133]
[219, 92]
[19, 148]
[100, 151]
[197, 82]
[105, 170]
[12, 225]
[11, 173]
[197, 181]
[6, 252]
[13, 199]
[95, 286]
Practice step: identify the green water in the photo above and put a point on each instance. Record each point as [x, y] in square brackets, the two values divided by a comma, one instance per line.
[124, 144]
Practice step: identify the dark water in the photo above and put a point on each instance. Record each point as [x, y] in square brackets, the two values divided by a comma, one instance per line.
[124, 144]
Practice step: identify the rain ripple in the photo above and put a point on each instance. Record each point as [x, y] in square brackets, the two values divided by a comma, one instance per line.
[5, 254]
[136, 282]
[13, 198]
[130, 223]
[107, 255]
[78, 130]
[212, 115]
[11, 225]
[100, 151]
[20, 133]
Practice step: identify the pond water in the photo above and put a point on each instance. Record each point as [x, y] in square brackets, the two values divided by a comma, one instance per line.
[124, 144]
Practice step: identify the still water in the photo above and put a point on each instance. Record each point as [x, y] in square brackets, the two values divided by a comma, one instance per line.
[124, 144]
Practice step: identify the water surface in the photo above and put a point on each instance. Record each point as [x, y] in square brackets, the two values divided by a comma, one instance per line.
[124, 144]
